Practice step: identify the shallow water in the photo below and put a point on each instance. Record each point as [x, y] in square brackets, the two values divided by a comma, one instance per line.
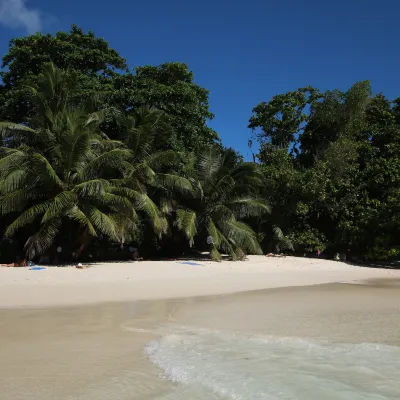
[284, 344]
[208, 364]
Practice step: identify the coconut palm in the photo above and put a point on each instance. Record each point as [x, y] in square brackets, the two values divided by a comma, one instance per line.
[152, 167]
[59, 168]
[224, 194]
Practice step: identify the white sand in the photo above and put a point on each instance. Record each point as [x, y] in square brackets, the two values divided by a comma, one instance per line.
[145, 280]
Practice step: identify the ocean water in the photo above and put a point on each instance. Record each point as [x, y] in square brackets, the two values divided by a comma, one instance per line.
[209, 364]
[244, 346]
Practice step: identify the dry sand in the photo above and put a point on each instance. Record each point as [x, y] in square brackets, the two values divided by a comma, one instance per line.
[148, 280]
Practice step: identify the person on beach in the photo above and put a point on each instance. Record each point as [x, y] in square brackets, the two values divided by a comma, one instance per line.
[135, 254]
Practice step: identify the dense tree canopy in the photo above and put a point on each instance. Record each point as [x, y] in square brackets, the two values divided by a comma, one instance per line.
[338, 189]
[95, 154]
[101, 70]
[170, 88]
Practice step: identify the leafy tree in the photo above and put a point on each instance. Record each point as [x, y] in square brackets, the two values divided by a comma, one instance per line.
[94, 62]
[334, 114]
[338, 190]
[101, 72]
[171, 89]
[75, 50]
[278, 121]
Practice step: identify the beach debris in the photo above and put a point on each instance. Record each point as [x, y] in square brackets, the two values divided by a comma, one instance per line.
[37, 268]
[80, 266]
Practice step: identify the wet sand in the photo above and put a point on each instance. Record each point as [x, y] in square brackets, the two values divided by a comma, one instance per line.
[348, 313]
[96, 351]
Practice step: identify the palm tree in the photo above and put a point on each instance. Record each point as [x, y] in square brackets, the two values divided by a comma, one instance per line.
[58, 166]
[224, 194]
[152, 167]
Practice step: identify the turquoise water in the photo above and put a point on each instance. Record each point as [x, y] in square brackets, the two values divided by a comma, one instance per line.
[207, 364]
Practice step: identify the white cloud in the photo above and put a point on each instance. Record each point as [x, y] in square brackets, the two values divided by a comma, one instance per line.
[16, 14]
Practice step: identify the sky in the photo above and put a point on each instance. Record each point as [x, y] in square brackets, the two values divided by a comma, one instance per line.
[242, 51]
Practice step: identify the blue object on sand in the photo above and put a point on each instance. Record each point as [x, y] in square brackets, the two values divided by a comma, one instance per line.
[190, 263]
[36, 268]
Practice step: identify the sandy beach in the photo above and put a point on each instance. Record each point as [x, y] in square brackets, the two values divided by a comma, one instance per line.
[240, 330]
[149, 280]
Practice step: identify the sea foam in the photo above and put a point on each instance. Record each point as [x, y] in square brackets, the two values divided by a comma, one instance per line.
[209, 364]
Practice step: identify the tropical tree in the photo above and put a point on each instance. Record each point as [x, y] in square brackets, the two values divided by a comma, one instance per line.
[152, 168]
[57, 167]
[169, 87]
[94, 62]
[224, 195]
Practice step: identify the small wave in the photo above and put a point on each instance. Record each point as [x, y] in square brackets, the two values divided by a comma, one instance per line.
[226, 366]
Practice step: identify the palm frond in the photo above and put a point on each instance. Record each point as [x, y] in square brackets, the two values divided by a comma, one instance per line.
[119, 204]
[10, 129]
[59, 205]
[241, 235]
[12, 181]
[167, 205]
[186, 221]
[249, 207]
[281, 240]
[213, 231]
[101, 222]
[220, 242]
[112, 159]
[174, 182]
[215, 254]
[165, 158]
[92, 188]
[43, 239]
[221, 212]
[26, 218]
[44, 169]
[15, 201]
[142, 202]
[208, 163]
[79, 216]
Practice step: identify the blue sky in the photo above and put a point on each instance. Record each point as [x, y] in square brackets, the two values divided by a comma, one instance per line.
[243, 51]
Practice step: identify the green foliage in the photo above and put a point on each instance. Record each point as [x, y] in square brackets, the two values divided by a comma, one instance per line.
[339, 190]
[93, 61]
[223, 194]
[64, 168]
[101, 74]
[91, 150]
[308, 241]
[382, 254]
[62, 176]
[170, 88]
[58, 170]
[283, 117]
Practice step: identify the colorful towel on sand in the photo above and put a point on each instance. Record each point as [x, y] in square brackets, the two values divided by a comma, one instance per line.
[191, 263]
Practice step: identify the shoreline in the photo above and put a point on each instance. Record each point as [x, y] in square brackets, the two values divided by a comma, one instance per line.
[96, 350]
[156, 280]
